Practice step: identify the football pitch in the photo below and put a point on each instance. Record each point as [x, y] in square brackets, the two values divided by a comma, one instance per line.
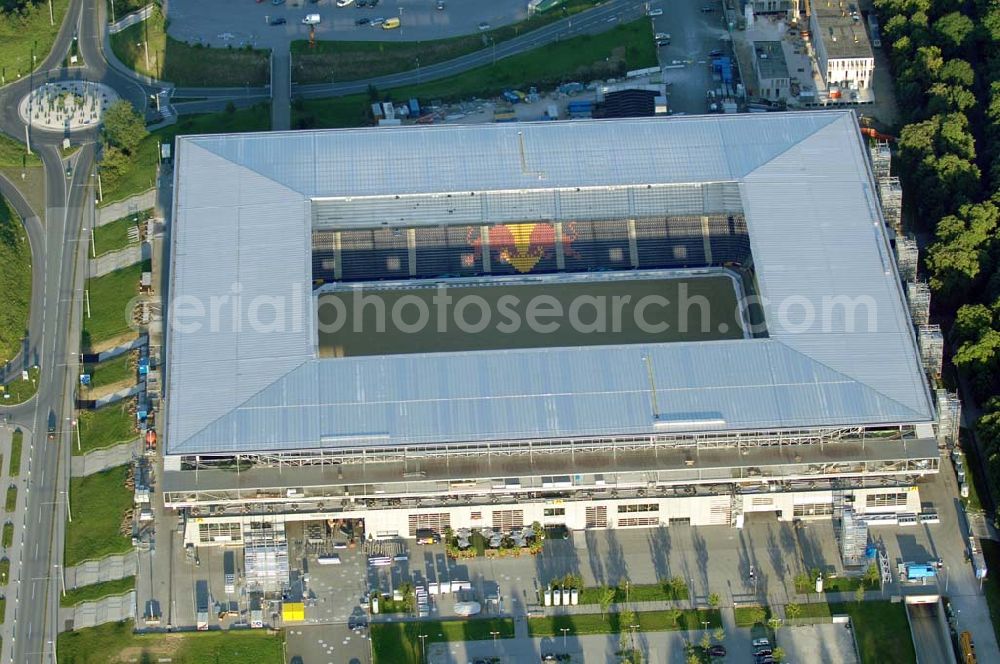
[560, 310]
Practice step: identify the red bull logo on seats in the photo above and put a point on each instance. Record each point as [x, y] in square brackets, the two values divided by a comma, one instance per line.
[522, 245]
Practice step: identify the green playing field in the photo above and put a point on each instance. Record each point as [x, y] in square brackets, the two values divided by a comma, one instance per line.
[548, 312]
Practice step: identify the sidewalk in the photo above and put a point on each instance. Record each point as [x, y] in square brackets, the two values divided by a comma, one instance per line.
[131, 205]
[110, 568]
[19, 518]
[98, 460]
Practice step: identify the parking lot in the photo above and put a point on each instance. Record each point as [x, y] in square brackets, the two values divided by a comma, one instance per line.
[685, 61]
[241, 22]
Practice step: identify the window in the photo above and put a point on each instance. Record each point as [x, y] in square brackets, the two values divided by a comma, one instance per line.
[762, 502]
[505, 520]
[639, 521]
[476, 516]
[436, 521]
[640, 507]
[885, 500]
[597, 517]
[813, 509]
[555, 511]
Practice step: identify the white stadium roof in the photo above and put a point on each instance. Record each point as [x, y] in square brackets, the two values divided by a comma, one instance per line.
[243, 215]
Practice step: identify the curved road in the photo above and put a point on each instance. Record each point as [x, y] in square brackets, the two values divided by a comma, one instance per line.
[58, 256]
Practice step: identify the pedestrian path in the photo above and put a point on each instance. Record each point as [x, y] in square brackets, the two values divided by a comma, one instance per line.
[90, 614]
[110, 457]
[109, 568]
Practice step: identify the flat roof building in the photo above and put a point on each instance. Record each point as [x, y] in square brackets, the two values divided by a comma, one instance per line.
[775, 210]
[843, 50]
[772, 71]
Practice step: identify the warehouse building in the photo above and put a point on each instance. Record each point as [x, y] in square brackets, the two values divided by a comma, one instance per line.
[791, 387]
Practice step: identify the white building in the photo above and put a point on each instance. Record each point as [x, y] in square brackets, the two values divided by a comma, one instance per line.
[843, 51]
[823, 406]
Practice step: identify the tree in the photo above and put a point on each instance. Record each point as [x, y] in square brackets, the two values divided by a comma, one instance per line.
[719, 634]
[678, 587]
[123, 127]
[953, 31]
[803, 583]
[706, 641]
[793, 611]
[693, 658]
[757, 614]
[957, 72]
[605, 597]
[714, 600]
[859, 593]
[778, 653]
[944, 98]
[774, 623]
[872, 576]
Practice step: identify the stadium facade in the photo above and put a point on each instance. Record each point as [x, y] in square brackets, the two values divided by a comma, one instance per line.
[818, 402]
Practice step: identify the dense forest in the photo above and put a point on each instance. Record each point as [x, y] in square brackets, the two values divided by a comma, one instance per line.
[945, 58]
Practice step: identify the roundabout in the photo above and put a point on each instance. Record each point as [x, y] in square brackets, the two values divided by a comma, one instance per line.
[66, 105]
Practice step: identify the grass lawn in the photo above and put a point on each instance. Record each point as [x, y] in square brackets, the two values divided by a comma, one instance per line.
[8, 534]
[748, 616]
[115, 642]
[4, 570]
[650, 592]
[20, 390]
[15, 282]
[15, 453]
[11, 504]
[14, 155]
[22, 31]
[648, 621]
[844, 584]
[106, 426]
[142, 175]
[109, 298]
[114, 235]
[881, 630]
[111, 371]
[398, 643]
[628, 46]
[810, 610]
[97, 591]
[3, 609]
[355, 60]
[187, 65]
[98, 503]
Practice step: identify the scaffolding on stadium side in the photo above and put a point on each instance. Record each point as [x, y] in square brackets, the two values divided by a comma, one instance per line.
[890, 192]
[881, 156]
[907, 257]
[949, 417]
[266, 554]
[853, 538]
[931, 348]
[918, 295]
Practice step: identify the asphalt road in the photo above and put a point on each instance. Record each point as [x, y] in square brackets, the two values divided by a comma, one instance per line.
[54, 332]
[240, 22]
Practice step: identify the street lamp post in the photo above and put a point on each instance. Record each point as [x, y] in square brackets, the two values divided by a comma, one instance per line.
[564, 630]
[494, 635]
[423, 647]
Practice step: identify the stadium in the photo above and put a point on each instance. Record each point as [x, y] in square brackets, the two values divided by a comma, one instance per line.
[596, 324]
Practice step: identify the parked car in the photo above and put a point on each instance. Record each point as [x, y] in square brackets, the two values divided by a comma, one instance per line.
[707, 9]
[717, 651]
[278, 21]
[655, 12]
[427, 536]
[361, 3]
[440, 5]
[277, 2]
[344, 3]
[363, 21]
[391, 23]
[377, 21]
[714, 53]
[484, 26]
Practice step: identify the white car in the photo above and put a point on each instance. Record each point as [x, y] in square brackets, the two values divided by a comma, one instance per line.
[662, 36]
[655, 12]
[344, 3]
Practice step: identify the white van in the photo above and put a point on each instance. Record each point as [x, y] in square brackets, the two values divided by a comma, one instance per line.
[311, 19]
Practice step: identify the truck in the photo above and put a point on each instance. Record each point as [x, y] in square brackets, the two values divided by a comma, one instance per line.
[201, 605]
[52, 424]
[229, 571]
[311, 19]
